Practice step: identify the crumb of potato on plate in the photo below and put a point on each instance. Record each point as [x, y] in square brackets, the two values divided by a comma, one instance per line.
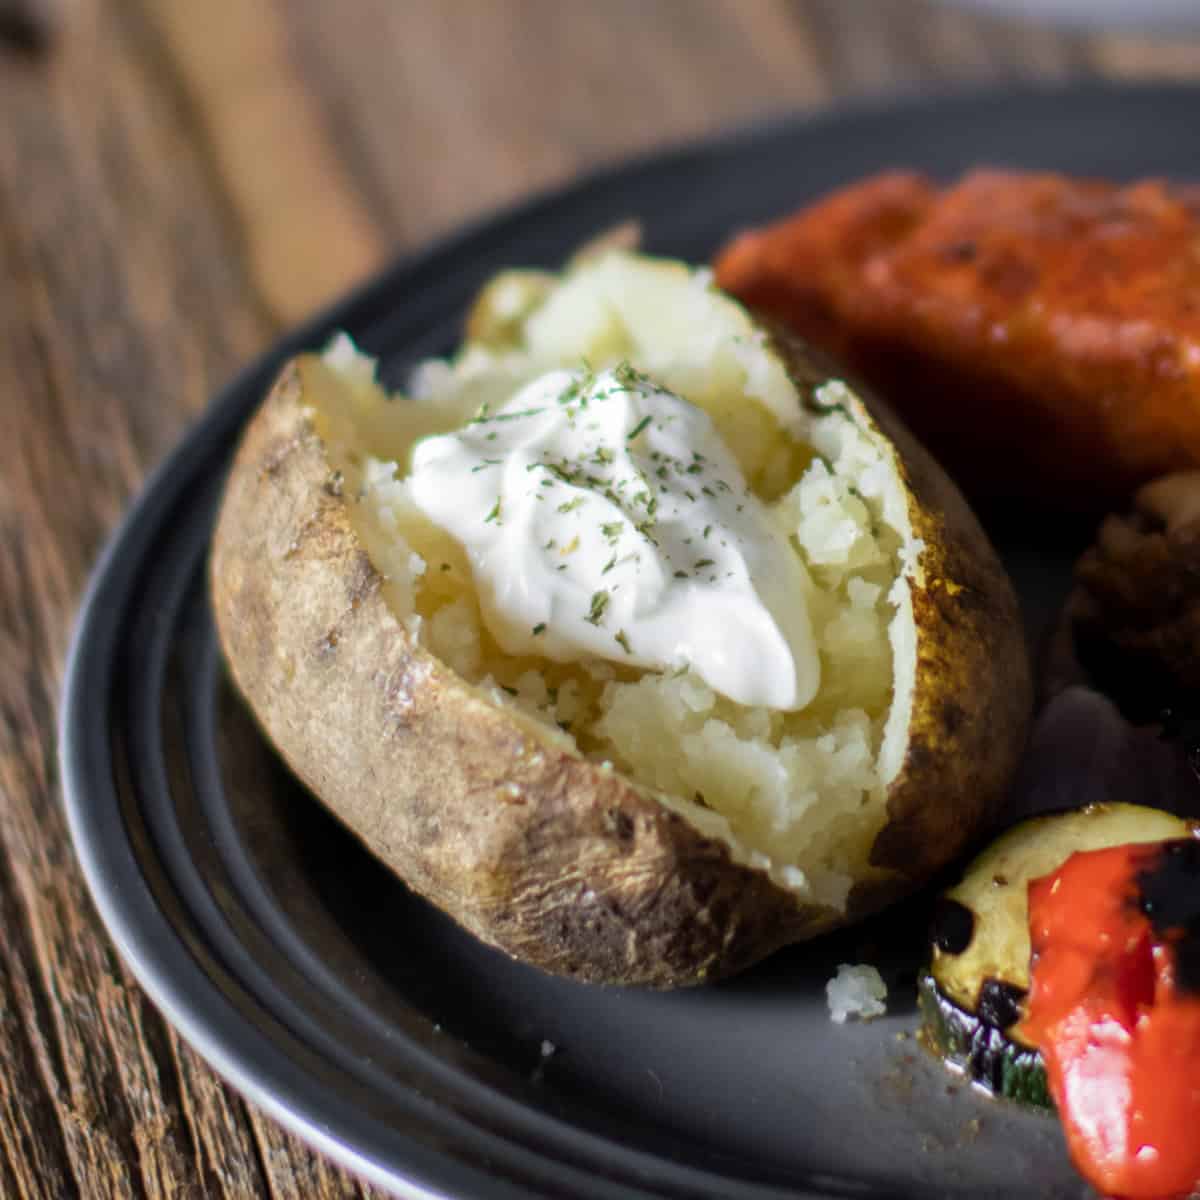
[857, 991]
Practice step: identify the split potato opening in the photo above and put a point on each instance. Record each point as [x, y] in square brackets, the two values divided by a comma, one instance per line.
[588, 814]
[800, 794]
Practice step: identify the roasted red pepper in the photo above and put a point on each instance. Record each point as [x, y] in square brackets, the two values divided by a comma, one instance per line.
[1114, 1007]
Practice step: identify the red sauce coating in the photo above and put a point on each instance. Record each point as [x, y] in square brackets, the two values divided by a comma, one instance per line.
[1039, 333]
[1120, 1038]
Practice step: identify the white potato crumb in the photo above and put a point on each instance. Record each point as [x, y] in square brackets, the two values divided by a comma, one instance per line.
[429, 378]
[345, 357]
[548, 1048]
[858, 991]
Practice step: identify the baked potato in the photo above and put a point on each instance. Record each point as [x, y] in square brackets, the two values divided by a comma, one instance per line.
[596, 818]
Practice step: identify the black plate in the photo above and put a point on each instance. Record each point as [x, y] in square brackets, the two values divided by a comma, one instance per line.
[364, 1020]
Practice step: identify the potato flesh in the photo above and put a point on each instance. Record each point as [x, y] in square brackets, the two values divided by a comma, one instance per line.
[789, 790]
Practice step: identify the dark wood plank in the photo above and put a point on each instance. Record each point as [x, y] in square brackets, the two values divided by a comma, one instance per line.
[30, 25]
[126, 302]
[304, 232]
[477, 103]
[1164, 58]
[872, 47]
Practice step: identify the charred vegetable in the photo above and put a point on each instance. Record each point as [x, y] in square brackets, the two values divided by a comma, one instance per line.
[1114, 1006]
[972, 997]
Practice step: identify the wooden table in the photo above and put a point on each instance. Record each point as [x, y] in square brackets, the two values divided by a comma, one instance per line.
[181, 180]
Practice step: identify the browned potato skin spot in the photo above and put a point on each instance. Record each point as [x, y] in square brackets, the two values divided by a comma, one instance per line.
[973, 695]
[422, 769]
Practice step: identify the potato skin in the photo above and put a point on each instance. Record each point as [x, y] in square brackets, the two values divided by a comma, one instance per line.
[544, 855]
[974, 694]
[539, 853]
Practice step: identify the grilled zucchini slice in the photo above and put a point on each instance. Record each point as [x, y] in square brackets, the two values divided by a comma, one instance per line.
[971, 997]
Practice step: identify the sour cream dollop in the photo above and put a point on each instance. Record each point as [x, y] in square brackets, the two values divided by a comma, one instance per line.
[604, 516]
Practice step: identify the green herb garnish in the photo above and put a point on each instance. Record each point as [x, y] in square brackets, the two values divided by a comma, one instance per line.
[599, 604]
[626, 376]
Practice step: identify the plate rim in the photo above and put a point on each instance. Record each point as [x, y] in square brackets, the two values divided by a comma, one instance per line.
[97, 624]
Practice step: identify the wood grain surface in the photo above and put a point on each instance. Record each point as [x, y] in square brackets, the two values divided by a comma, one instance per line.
[178, 182]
